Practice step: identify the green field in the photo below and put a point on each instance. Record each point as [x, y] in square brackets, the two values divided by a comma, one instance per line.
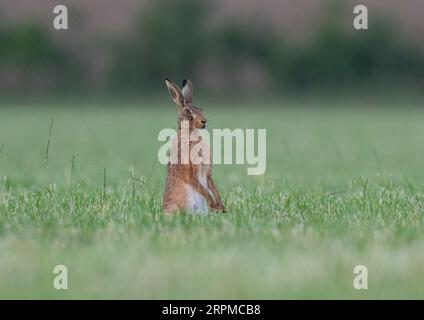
[342, 188]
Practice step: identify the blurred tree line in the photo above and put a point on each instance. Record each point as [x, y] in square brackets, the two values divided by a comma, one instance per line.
[172, 39]
[30, 61]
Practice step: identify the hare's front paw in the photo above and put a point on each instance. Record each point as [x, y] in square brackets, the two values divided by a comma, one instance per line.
[219, 208]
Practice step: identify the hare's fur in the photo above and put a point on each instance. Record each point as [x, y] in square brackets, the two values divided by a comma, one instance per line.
[189, 187]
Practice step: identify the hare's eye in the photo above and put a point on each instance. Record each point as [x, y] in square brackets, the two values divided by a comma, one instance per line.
[187, 111]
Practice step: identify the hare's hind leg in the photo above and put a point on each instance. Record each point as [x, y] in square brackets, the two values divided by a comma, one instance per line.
[177, 200]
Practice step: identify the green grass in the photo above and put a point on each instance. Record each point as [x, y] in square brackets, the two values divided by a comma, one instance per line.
[342, 188]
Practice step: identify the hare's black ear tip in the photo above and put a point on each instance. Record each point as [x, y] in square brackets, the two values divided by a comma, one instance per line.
[184, 82]
[168, 82]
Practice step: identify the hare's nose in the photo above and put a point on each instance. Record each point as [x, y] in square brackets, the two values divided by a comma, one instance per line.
[203, 121]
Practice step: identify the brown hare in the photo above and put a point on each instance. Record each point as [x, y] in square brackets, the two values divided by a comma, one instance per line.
[189, 186]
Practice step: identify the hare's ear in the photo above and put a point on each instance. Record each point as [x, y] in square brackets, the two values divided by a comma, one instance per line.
[175, 93]
[187, 91]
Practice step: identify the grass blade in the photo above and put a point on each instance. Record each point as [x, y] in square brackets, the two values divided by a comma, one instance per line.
[72, 170]
[104, 183]
[46, 159]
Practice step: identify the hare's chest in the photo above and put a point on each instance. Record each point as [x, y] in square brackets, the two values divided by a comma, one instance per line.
[196, 202]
